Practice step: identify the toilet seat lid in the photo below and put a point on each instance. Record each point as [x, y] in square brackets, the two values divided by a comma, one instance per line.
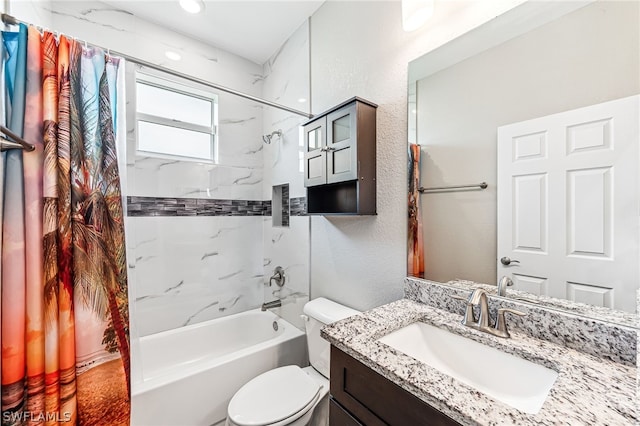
[273, 396]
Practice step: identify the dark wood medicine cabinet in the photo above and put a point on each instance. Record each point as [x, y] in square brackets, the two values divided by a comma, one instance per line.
[340, 160]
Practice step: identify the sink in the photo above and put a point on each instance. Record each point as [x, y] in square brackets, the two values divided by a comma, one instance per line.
[514, 381]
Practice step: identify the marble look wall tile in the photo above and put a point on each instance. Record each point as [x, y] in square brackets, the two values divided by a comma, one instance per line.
[289, 248]
[236, 183]
[286, 73]
[286, 81]
[240, 132]
[36, 12]
[134, 329]
[157, 177]
[194, 269]
[593, 336]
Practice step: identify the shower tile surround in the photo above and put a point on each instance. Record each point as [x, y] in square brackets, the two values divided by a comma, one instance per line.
[594, 386]
[286, 81]
[186, 268]
[197, 226]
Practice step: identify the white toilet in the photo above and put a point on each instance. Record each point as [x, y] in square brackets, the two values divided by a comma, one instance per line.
[288, 395]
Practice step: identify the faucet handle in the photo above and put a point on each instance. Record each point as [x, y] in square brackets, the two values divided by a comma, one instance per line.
[502, 311]
[469, 317]
[501, 324]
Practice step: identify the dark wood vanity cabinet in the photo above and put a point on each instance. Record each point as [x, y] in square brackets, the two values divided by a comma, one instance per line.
[340, 160]
[360, 396]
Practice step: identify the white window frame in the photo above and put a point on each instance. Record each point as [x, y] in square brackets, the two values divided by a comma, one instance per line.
[172, 85]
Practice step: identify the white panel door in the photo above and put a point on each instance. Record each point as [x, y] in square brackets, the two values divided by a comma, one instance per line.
[568, 204]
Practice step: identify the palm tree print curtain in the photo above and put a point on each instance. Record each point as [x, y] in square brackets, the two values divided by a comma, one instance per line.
[415, 245]
[64, 308]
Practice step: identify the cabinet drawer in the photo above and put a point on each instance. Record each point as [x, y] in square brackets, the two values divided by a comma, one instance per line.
[376, 401]
[338, 416]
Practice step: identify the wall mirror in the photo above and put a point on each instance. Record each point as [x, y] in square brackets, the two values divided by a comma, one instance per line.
[488, 100]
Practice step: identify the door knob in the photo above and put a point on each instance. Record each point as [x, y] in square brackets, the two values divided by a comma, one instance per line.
[506, 261]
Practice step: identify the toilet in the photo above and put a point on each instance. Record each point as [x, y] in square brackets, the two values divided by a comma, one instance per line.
[288, 395]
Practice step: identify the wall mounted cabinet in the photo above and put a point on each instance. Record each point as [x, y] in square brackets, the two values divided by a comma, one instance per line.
[340, 159]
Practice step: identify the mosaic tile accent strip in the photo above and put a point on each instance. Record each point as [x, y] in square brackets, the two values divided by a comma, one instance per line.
[285, 205]
[298, 206]
[160, 206]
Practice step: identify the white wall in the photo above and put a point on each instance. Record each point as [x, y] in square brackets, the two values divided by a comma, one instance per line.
[566, 64]
[359, 48]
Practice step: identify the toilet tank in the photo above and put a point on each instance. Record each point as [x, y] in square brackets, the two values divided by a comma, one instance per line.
[320, 312]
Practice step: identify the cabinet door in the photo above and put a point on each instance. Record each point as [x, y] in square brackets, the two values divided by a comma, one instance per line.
[342, 159]
[315, 156]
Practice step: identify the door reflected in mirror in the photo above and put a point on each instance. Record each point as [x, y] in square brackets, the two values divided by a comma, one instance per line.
[532, 113]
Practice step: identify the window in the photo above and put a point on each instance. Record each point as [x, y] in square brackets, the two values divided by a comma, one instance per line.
[175, 120]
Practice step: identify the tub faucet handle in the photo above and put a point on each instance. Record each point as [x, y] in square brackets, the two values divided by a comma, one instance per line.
[278, 276]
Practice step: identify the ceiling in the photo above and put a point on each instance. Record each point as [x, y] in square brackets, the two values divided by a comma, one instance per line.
[253, 29]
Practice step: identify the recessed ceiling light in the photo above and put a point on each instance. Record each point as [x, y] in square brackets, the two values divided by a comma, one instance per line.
[302, 100]
[172, 55]
[192, 6]
[415, 13]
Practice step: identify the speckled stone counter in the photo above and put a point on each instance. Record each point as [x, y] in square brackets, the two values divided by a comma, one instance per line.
[604, 333]
[589, 390]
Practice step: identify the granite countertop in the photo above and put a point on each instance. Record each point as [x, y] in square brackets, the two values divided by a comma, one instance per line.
[628, 319]
[589, 390]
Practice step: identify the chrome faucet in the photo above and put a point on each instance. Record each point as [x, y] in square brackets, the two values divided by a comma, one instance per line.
[479, 298]
[503, 284]
[273, 304]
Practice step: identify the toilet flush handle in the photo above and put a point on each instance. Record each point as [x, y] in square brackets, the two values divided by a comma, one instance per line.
[304, 318]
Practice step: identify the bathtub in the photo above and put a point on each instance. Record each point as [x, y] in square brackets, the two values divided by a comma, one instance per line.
[189, 374]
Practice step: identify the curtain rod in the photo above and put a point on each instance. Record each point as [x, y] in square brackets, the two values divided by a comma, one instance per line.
[10, 20]
[15, 141]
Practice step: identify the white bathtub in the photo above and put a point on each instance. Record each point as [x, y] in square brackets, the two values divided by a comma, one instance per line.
[190, 374]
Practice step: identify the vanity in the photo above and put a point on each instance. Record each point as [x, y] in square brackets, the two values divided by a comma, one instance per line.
[374, 399]
[374, 383]
[476, 108]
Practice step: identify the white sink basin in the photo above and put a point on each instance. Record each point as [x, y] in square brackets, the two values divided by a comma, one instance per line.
[514, 381]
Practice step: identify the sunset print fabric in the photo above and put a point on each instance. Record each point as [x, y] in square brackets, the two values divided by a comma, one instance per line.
[64, 308]
[415, 245]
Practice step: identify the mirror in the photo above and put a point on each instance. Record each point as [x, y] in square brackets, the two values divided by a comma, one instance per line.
[537, 60]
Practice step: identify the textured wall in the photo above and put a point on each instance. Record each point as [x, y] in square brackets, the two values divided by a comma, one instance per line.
[360, 261]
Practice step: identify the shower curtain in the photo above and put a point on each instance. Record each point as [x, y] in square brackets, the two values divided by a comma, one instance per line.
[415, 246]
[64, 306]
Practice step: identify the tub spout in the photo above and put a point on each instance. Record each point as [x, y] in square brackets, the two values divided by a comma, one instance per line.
[272, 304]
